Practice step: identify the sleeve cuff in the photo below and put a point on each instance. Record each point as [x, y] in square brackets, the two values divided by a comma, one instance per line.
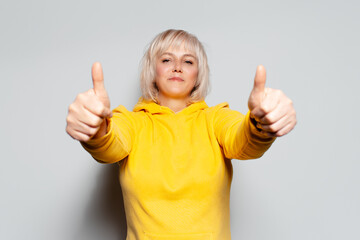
[95, 143]
[255, 131]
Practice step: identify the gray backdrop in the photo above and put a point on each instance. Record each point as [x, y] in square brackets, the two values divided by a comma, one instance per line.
[305, 187]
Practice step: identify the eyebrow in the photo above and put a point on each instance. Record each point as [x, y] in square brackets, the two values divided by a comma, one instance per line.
[185, 55]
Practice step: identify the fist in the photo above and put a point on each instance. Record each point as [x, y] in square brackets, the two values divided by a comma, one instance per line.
[271, 108]
[86, 114]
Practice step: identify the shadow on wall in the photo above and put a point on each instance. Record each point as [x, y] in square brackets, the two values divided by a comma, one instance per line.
[105, 215]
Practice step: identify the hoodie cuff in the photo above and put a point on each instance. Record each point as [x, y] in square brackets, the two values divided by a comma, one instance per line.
[256, 132]
[95, 144]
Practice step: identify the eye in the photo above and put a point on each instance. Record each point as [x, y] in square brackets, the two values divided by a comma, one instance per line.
[189, 62]
[165, 60]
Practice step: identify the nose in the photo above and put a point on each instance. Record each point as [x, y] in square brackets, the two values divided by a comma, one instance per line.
[177, 68]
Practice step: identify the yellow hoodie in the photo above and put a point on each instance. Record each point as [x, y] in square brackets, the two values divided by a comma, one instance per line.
[175, 168]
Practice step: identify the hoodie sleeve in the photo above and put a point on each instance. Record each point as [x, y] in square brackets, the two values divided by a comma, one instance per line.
[116, 144]
[237, 135]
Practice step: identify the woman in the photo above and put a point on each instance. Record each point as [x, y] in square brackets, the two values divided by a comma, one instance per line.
[174, 151]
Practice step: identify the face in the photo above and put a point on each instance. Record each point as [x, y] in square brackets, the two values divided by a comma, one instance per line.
[176, 73]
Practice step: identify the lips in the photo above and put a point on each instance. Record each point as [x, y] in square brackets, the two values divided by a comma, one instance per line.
[176, 79]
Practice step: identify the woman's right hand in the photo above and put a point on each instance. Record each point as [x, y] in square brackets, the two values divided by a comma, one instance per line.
[87, 114]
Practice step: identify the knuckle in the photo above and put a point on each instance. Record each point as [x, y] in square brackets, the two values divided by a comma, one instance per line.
[99, 121]
[272, 128]
[93, 131]
[279, 134]
[268, 119]
[70, 132]
[289, 104]
[279, 92]
[95, 122]
[100, 108]
[81, 97]
[264, 108]
[85, 139]
[71, 107]
[68, 119]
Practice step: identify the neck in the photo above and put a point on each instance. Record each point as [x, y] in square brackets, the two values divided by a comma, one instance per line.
[176, 105]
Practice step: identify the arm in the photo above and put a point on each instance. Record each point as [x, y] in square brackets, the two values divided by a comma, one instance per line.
[116, 144]
[238, 136]
[271, 115]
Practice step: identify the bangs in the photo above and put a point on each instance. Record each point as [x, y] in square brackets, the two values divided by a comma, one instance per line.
[175, 41]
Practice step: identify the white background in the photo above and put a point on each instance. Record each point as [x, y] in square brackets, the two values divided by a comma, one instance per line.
[305, 187]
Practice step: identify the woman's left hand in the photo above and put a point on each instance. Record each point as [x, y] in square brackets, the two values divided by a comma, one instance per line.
[271, 108]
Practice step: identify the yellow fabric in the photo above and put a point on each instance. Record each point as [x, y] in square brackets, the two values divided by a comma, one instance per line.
[175, 168]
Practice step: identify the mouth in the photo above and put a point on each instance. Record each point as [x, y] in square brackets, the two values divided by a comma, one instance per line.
[176, 79]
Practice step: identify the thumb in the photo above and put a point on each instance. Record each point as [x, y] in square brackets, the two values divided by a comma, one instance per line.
[98, 83]
[258, 91]
[259, 82]
[98, 80]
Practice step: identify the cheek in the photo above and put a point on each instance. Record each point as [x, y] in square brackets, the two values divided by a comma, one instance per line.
[161, 70]
[194, 74]
[158, 71]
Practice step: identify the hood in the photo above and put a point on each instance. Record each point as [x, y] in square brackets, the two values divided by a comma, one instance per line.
[154, 108]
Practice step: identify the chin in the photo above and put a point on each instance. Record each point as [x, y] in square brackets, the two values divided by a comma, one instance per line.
[178, 93]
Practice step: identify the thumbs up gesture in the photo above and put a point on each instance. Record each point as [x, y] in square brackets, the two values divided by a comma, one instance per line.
[272, 110]
[87, 113]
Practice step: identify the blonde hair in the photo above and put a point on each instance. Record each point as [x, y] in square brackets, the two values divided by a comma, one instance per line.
[162, 42]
